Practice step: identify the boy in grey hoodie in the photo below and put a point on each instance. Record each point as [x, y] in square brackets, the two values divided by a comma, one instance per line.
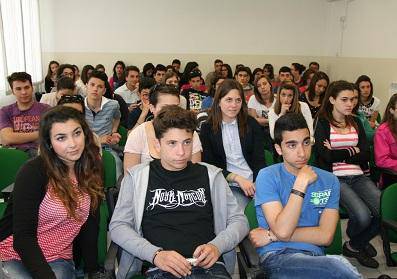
[178, 216]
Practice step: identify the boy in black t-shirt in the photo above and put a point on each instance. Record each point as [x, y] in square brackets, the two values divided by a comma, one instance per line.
[179, 216]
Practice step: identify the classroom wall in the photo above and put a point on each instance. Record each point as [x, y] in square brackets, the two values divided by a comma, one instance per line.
[252, 32]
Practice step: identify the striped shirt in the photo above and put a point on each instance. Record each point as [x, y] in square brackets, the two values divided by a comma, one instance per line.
[101, 122]
[344, 141]
[55, 229]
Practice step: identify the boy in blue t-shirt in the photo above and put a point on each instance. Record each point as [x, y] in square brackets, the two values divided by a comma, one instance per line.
[297, 210]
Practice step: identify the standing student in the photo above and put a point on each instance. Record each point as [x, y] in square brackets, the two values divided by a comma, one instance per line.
[140, 147]
[287, 101]
[341, 148]
[369, 104]
[51, 77]
[233, 141]
[314, 95]
[385, 142]
[52, 200]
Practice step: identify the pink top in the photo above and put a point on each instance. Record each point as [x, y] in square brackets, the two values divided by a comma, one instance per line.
[55, 230]
[385, 148]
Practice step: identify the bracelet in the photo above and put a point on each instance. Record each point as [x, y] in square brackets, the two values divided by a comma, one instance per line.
[155, 254]
[269, 236]
[298, 193]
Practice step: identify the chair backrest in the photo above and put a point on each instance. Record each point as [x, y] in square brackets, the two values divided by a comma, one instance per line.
[124, 135]
[250, 212]
[10, 162]
[109, 169]
[388, 207]
[269, 158]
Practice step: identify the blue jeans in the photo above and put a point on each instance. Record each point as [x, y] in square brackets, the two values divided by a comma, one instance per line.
[217, 271]
[291, 263]
[361, 199]
[63, 269]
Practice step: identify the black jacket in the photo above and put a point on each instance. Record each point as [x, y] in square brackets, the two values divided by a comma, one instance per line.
[326, 157]
[252, 145]
[22, 221]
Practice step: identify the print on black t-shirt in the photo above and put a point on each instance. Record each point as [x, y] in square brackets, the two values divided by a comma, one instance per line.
[178, 210]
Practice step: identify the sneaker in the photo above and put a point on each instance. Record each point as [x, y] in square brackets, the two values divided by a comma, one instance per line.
[362, 257]
[370, 250]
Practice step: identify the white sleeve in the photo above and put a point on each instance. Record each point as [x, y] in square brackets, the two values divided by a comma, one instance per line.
[272, 120]
[308, 117]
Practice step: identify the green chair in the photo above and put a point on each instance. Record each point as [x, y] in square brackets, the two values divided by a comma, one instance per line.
[124, 135]
[10, 162]
[248, 259]
[388, 209]
[269, 158]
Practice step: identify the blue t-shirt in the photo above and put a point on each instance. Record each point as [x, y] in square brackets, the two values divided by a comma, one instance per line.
[274, 183]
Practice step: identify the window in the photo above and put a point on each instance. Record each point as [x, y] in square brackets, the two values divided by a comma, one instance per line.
[19, 40]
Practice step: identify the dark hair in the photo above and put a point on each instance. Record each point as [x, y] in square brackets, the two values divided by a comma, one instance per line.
[99, 66]
[49, 73]
[99, 75]
[76, 68]
[147, 67]
[215, 114]
[312, 86]
[212, 88]
[161, 89]
[315, 63]
[284, 69]
[237, 67]
[170, 74]
[258, 95]
[355, 109]
[63, 67]
[295, 105]
[218, 61]
[88, 170]
[389, 118]
[176, 61]
[326, 109]
[84, 73]
[367, 79]
[270, 69]
[115, 77]
[159, 67]
[129, 69]
[244, 69]
[65, 83]
[72, 99]
[229, 70]
[19, 76]
[146, 83]
[188, 68]
[194, 73]
[306, 75]
[256, 70]
[299, 67]
[173, 116]
[287, 123]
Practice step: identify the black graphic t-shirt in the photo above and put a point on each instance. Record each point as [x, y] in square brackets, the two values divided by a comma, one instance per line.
[194, 98]
[178, 210]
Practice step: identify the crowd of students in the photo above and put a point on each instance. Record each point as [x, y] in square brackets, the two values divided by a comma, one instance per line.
[193, 160]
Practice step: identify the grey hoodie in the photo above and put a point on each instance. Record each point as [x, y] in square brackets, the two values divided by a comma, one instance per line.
[231, 225]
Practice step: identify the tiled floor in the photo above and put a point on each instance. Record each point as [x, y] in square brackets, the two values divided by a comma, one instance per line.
[367, 272]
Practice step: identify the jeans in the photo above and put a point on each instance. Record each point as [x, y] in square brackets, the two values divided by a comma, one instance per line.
[63, 269]
[361, 199]
[291, 263]
[217, 271]
[242, 199]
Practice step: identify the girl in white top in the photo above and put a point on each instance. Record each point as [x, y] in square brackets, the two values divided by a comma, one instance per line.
[262, 101]
[140, 146]
[287, 101]
[369, 104]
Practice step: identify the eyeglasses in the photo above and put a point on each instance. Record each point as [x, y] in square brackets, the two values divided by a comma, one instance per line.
[71, 99]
